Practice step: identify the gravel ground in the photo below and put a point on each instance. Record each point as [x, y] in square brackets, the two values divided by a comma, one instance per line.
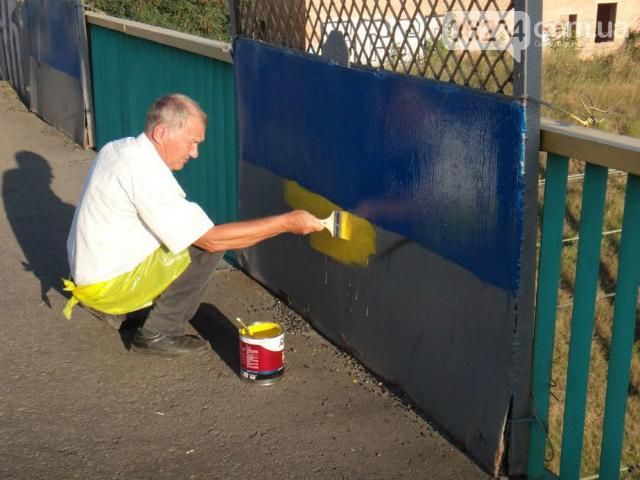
[76, 403]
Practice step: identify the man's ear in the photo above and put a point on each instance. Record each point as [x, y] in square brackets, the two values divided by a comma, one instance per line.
[159, 133]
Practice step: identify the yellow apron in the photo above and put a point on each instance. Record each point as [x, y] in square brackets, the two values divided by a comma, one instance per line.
[133, 290]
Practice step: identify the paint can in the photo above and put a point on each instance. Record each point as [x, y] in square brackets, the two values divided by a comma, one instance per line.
[262, 353]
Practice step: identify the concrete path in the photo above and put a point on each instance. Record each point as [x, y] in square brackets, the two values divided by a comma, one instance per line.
[75, 403]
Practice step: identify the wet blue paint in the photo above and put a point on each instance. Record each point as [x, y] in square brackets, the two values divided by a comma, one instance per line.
[53, 37]
[437, 163]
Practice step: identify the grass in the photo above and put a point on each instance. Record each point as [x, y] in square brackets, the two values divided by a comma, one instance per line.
[609, 83]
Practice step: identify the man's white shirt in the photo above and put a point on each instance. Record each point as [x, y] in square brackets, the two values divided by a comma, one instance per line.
[130, 205]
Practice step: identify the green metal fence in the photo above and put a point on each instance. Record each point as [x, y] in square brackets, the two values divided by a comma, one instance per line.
[600, 152]
[133, 63]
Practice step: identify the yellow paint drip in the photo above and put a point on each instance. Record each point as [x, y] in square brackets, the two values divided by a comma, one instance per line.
[262, 330]
[362, 236]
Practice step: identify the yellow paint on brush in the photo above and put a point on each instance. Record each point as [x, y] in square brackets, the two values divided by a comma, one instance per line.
[362, 236]
[345, 225]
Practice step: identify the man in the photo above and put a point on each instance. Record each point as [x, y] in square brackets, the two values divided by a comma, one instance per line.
[136, 240]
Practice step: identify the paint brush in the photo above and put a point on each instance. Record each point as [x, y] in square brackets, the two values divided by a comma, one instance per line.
[244, 326]
[338, 224]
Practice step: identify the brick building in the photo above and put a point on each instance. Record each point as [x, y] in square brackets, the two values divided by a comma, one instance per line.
[599, 27]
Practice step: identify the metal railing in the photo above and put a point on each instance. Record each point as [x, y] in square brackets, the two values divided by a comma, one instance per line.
[600, 151]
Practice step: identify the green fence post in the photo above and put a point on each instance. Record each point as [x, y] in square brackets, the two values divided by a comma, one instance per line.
[2, 66]
[588, 265]
[555, 194]
[622, 334]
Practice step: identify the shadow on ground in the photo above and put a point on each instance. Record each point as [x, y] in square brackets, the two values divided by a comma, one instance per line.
[209, 322]
[212, 325]
[40, 220]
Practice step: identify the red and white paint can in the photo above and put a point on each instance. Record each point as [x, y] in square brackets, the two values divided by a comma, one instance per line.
[262, 353]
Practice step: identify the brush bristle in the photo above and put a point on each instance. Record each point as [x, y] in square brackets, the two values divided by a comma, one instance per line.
[343, 225]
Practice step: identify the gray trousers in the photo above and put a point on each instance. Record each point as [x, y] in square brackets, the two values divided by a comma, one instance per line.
[180, 301]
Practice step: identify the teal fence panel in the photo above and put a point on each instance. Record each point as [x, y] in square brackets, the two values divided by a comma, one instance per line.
[623, 334]
[130, 72]
[623, 155]
[2, 68]
[555, 195]
[591, 220]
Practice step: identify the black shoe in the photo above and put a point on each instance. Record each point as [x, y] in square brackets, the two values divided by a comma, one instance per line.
[114, 321]
[168, 345]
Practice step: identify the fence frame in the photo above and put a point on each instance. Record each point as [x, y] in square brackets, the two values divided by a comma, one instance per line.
[527, 77]
[201, 46]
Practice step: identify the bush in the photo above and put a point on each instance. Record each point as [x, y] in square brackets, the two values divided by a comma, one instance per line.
[632, 45]
[205, 18]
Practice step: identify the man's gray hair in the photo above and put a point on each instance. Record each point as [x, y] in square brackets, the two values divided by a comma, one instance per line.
[173, 110]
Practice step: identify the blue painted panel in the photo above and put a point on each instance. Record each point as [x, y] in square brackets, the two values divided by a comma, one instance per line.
[54, 34]
[436, 163]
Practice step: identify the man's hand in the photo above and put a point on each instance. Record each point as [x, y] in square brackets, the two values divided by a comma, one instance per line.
[302, 222]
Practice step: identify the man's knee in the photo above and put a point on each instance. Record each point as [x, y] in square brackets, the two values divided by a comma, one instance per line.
[204, 259]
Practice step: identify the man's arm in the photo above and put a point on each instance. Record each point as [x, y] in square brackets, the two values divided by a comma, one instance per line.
[235, 235]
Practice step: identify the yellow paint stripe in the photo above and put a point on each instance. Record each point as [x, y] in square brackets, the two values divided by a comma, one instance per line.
[357, 250]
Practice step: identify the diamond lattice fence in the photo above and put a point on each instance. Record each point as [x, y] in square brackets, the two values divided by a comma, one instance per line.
[461, 41]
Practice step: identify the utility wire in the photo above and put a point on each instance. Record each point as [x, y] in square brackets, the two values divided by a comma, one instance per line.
[630, 468]
[587, 103]
[602, 297]
[579, 176]
[604, 234]
[577, 237]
